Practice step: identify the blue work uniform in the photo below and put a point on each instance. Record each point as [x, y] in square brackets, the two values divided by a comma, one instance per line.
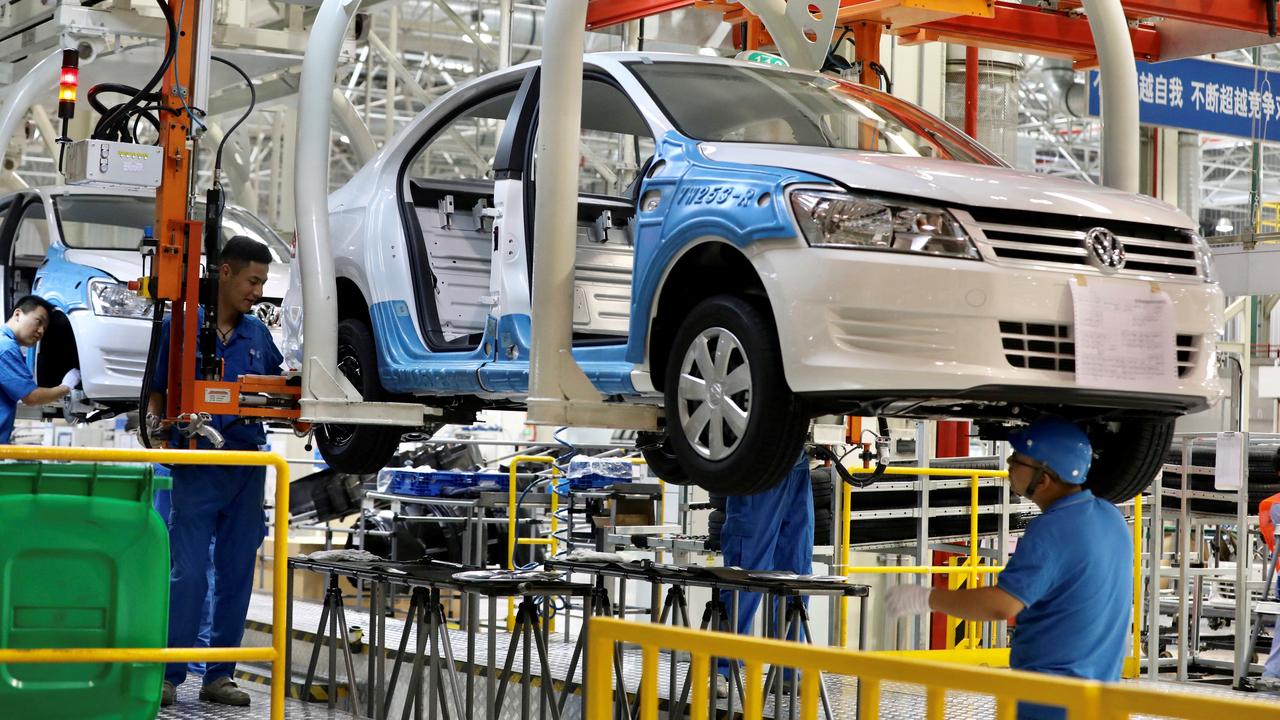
[163, 505]
[772, 530]
[1073, 573]
[15, 381]
[219, 504]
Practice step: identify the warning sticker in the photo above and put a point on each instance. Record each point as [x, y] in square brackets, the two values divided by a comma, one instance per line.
[215, 395]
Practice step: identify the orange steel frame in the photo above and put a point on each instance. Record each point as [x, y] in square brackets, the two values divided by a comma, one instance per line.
[1015, 27]
[177, 264]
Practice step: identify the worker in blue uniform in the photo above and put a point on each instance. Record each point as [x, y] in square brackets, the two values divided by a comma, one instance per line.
[23, 329]
[1070, 580]
[772, 530]
[222, 504]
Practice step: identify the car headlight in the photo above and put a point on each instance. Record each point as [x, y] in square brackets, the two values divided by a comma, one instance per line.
[113, 299]
[1204, 252]
[829, 219]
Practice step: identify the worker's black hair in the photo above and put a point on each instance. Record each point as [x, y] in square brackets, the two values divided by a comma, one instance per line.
[30, 302]
[241, 250]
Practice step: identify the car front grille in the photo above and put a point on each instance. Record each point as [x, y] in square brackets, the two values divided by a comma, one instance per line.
[1026, 238]
[1044, 346]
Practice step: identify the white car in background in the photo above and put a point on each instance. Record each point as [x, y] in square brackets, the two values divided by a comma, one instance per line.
[78, 248]
[757, 246]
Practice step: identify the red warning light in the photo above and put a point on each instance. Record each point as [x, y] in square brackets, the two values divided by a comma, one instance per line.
[68, 84]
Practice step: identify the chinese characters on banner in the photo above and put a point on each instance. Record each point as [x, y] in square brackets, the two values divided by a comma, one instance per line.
[1211, 97]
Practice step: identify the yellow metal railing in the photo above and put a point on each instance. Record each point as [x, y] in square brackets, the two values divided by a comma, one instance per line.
[1083, 699]
[971, 566]
[512, 525]
[512, 539]
[279, 633]
[973, 570]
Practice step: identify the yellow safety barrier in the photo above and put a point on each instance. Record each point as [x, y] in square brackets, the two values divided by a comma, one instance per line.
[1083, 699]
[512, 539]
[971, 567]
[279, 633]
[512, 525]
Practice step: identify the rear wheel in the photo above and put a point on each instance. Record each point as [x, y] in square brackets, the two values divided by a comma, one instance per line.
[733, 423]
[1127, 456]
[358, 449]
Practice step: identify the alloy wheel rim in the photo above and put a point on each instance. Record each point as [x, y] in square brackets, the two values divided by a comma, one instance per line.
[714, 393]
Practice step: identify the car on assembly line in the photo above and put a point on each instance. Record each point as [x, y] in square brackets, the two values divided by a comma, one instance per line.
[79, 248]
[757, 246]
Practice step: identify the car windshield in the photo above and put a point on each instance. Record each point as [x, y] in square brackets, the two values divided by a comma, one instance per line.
[739, 103]
[117, 222]
[103, 222]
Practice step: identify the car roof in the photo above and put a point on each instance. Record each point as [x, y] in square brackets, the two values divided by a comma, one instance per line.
[49, 191]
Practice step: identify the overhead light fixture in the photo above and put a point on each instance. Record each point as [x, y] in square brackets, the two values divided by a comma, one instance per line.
[1224, 226]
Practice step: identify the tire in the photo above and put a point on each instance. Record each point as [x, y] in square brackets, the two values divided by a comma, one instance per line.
[1127, 456]
[662, 462]
[759, 453]
[358, 449]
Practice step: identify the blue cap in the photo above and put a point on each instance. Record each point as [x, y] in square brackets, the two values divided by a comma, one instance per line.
[1058, 445]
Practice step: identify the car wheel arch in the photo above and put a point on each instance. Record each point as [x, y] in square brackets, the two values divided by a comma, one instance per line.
[352, 302]
[706, 268]
[57, 346]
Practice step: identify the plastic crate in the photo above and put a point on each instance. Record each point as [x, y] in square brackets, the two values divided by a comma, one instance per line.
[85, 562]
[597, 473]
[439, 483]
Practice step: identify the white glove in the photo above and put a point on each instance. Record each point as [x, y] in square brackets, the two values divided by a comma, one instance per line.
[907, 599]
[72, 378]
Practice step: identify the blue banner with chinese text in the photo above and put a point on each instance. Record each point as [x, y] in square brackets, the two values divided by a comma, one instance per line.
[1210, 97]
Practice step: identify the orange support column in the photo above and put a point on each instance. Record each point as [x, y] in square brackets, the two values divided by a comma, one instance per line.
[866, 44]
[176, 236]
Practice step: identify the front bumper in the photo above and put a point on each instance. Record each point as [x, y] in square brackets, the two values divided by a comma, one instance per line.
[113, 354]
[866, 325]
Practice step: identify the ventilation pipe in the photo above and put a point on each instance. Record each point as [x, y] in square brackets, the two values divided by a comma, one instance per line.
[1119, 76]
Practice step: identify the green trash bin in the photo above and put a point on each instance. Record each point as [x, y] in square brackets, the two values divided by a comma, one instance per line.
[84, 563]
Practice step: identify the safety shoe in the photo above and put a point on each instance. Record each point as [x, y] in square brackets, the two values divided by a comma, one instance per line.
[721, 686]
[168, 694]
[224, 692]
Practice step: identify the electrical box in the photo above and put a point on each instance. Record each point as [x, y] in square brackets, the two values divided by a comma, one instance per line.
[101, 162]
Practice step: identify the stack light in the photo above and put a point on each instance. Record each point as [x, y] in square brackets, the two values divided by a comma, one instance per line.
[68, 84]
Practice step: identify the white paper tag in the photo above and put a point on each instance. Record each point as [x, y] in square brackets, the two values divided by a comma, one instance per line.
[1227, 473]
[217, 395]
[1124, 335]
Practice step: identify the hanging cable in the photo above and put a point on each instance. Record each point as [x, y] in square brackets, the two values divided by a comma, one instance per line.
[115, 126]
[253, 101]
[881, 456]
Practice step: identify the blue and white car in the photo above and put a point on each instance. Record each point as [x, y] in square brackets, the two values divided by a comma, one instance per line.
[79, 248]
[756, 246]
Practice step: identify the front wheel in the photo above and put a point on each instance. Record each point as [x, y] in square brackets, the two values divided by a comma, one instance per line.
[734, 425]
[1127, 456]
[358, 449]
[662, 460]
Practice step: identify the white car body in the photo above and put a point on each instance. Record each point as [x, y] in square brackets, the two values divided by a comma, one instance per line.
[859, 330]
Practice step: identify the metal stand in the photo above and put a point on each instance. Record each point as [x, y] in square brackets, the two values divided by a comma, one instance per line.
[332, 615]
[528, 634]
[795, 625]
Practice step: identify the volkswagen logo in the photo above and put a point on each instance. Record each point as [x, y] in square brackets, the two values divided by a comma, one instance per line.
[1106, 252]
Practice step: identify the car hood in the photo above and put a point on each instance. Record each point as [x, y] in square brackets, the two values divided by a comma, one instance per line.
[126, 265]
[956, 183]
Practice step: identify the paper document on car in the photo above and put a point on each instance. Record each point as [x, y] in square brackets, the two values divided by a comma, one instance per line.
[1124, 335]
